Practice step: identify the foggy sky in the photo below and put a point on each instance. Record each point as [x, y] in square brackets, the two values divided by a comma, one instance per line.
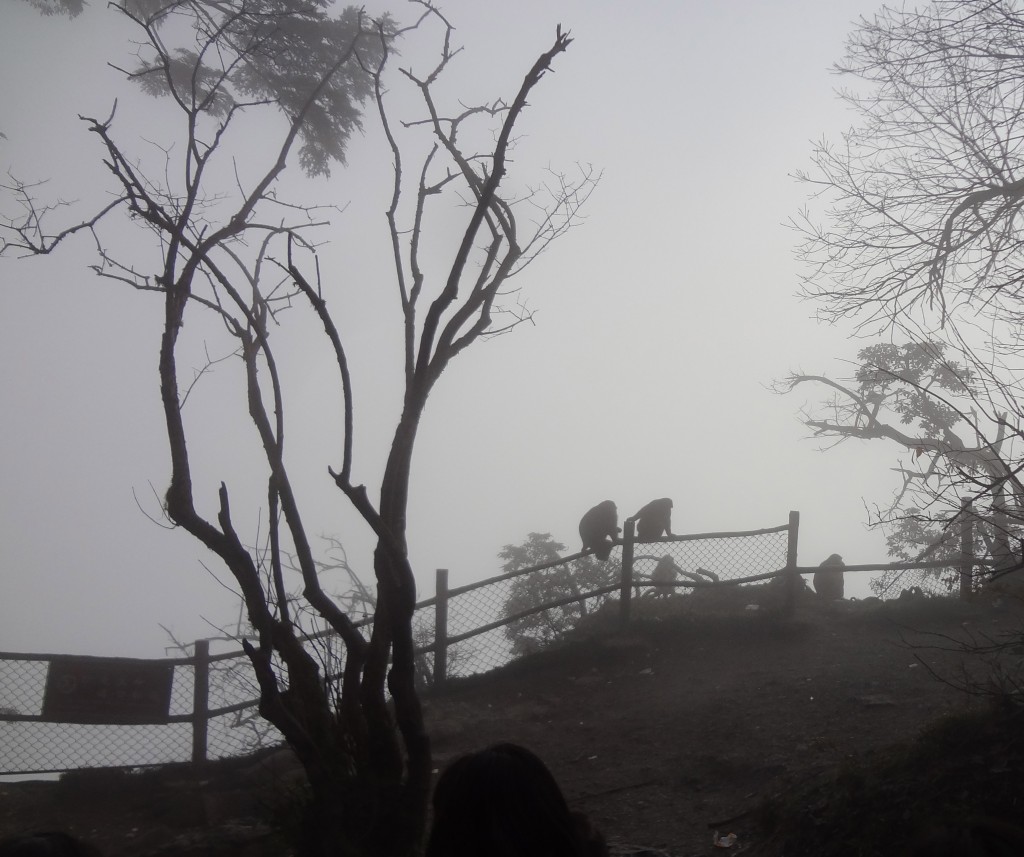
[660, 323]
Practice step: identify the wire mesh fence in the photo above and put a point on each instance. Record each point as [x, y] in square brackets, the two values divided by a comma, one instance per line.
[931, 582]
[459, 632]
[40, 747]
[495, 620]
[31, 745]
[714, 558]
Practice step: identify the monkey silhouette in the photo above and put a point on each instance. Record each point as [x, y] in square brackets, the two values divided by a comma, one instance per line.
[654, 520]
[828, 579]
[599, 529]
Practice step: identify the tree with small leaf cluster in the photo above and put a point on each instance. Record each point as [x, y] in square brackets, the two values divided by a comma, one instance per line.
[912, 232]
[71, 8]
[572, 578]
[915, 398]
[215, 233]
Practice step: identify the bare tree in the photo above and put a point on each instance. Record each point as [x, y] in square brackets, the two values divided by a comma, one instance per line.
[922, 194]
[240, 251]
[912, 230]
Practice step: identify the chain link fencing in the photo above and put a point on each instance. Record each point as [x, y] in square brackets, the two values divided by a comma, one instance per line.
[930, 582]
[35, 746]
[712, 559]
[491, 622]
[457, 633]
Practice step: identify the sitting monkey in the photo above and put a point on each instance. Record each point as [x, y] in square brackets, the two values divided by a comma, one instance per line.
[654, 520]
[828, 579]
[599, 529]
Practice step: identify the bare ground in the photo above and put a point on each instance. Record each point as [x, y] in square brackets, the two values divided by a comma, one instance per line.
[683, 726]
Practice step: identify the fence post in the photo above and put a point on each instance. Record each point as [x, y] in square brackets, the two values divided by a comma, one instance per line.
[441, 627]
[793, 580]
[626, 580]
[200, 700]
[966, 548]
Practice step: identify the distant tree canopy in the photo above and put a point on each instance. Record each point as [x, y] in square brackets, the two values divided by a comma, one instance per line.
[573, 579]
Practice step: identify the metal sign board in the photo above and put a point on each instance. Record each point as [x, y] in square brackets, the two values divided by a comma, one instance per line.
[81, 689]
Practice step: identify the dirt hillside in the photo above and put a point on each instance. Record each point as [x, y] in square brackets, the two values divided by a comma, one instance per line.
[683, 726]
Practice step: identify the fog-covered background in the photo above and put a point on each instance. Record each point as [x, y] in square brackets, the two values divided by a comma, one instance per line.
[660, 324]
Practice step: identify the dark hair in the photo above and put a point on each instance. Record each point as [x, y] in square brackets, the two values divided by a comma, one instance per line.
[973, 837]
[48, 844]
[504, 802]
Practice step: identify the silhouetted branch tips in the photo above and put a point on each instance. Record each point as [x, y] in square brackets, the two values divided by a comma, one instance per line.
[209, 232]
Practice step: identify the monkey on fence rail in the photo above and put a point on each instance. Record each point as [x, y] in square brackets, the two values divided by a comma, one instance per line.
[599, 529]
[654, 520]
[828, 579]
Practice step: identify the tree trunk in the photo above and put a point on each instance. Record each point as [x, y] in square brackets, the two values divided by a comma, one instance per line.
[397, 592]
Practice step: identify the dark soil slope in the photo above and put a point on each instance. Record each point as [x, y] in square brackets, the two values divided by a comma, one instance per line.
[690, 723]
